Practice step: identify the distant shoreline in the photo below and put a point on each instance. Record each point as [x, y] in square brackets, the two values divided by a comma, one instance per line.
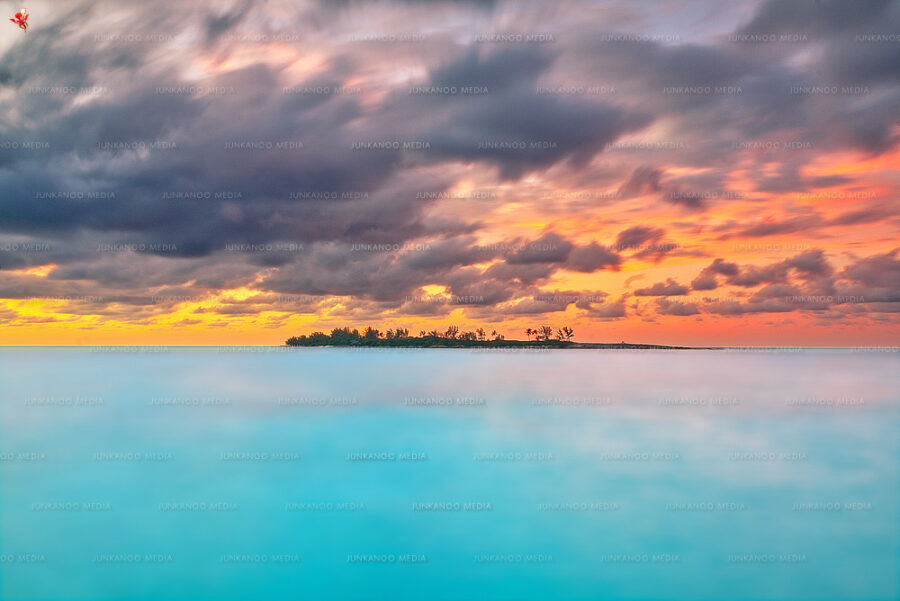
[453, 337]
[628, 345]
[522, 344]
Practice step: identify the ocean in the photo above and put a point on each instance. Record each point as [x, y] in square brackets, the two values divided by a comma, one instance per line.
[268, 473]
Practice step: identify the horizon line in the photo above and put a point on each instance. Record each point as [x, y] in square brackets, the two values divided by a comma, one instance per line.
[673, 346]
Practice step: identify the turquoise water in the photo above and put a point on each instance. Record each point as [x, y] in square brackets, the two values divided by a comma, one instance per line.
[269, 474]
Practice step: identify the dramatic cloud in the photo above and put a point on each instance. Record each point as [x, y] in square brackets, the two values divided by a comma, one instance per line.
[283, 165]
[668, 288]
[707, 278]
[668, 307]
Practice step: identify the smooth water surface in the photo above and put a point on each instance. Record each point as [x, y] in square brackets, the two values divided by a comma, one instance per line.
[271, 474]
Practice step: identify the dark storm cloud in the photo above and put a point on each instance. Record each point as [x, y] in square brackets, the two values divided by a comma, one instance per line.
[812, 221]
[557, 300]
[549, 248]
[495, 286]
[553, 248]
[502, 69]
[513, 128]
[730, 307]
[591, 257]
[394, 274]
[751, 276]
[186, 138]
[665, 306]
[638, 235]
[811, 264]
[804, 282]
[772, 227]
[871, 214]
[608, 311]
[754, 80]
[789, 179]
[876, 271]
[308, 221]
[818, 17]
[520, 275]
[645, 242]
[775, 291]
[707, 279]
[643, 180]
[217, 24]
[450, 253]
[524, 133]
[668, 288]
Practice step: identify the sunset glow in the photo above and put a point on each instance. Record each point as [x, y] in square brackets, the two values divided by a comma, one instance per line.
[206, 176]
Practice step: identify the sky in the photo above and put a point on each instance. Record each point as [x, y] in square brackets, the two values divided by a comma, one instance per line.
[682, 172]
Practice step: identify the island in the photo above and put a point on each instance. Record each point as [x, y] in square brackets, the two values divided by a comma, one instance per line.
[452, 337]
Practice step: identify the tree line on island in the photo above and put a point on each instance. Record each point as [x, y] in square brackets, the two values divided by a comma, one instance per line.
[543, 336]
